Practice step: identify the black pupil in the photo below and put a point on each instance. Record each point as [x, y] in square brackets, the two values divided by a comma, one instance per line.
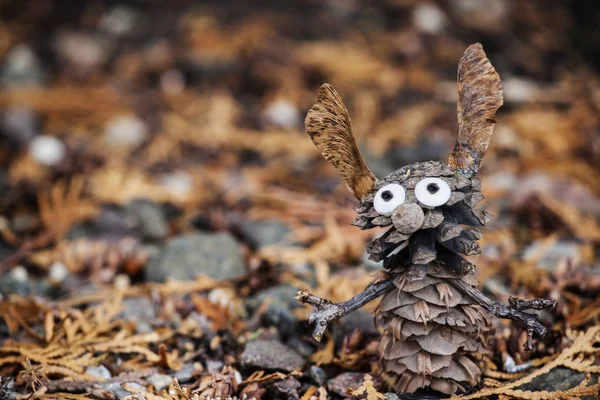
[387, 195]
[433, 188]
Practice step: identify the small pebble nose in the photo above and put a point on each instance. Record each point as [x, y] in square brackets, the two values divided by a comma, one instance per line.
[408, 218]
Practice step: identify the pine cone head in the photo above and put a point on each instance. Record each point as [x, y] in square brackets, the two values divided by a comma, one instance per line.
[425, 204]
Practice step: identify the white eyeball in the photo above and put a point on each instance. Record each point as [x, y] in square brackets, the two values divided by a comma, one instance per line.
[388, 198]
[432, 192]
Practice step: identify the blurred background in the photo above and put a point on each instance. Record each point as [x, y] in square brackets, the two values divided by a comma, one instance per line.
[143, 141]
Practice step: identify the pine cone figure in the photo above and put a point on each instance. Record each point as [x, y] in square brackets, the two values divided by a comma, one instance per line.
[432, 333]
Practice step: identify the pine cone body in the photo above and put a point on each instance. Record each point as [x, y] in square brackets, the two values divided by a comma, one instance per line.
[432, 333]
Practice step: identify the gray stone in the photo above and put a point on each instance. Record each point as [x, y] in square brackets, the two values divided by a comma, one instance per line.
[341, 383]
[216, 255]
[213, 366]
[137, 309]
[148, 218]
[317, 375]
[159, 381]
[99, 371]
[282, 113]
[558, 379]
[561, 250]
[271, 355]
[264, 233]
[17, 281]
[125, 131]
[85, 51]
[21, 67]
[282, 300]
[391, 396]
[19, 125]
[186, 373]
[286, 389]
[361, 320]
[118, 391]
[47, 150]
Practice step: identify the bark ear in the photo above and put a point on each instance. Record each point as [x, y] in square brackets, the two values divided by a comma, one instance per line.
[329, 127]
[479, 97]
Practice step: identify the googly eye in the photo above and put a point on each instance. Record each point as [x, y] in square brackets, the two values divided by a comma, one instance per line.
[388, 198]
[432, 192]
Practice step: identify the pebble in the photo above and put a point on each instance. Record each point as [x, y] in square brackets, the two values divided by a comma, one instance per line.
[122, 21]
[137, 309]
[340, 384]
[19, 274]
[148, 219]
[119, 392]
[559, 378]
[282, 300]
[125, 131]
[317, 375]
[83, 50]
[58, 272]
[286, 389]
[19, 125]
[159, 381]
[217, 255]
[47, 150]
[264, 233]
[361, 320]
[99, 371]
[179, 184]
[271, 355]
[561, 250]
[428, 18]
[282, 114]
[22, 67]
[186, 373]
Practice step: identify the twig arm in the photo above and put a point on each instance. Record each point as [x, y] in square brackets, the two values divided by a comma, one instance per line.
[326, 311]
[514, 311]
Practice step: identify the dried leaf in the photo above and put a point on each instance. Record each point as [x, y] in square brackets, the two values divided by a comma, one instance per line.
[479, 97]
[328, 125]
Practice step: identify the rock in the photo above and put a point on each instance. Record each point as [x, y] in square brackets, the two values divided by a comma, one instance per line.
[216, 255]
[428, 18]
[186, 373]
[7, 385]
[317, 375]
[300, 346]
[340, 384]
[119, 392]
[361, 320]
[550, 257]
[125, 131]
[137, 309]
[286, 389]
[178, 183]
[84, 51]
[57, 272]
[271, 355]
[18, 281]
[148, 218]
[391, 396]
[264, 233]
[123, 21]
[282, 114]
[99, 371]
[19, 125]
[213, 366]
[159, 381]
[47, 150]
[282, 300]
[559, 378]
[21, 67]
